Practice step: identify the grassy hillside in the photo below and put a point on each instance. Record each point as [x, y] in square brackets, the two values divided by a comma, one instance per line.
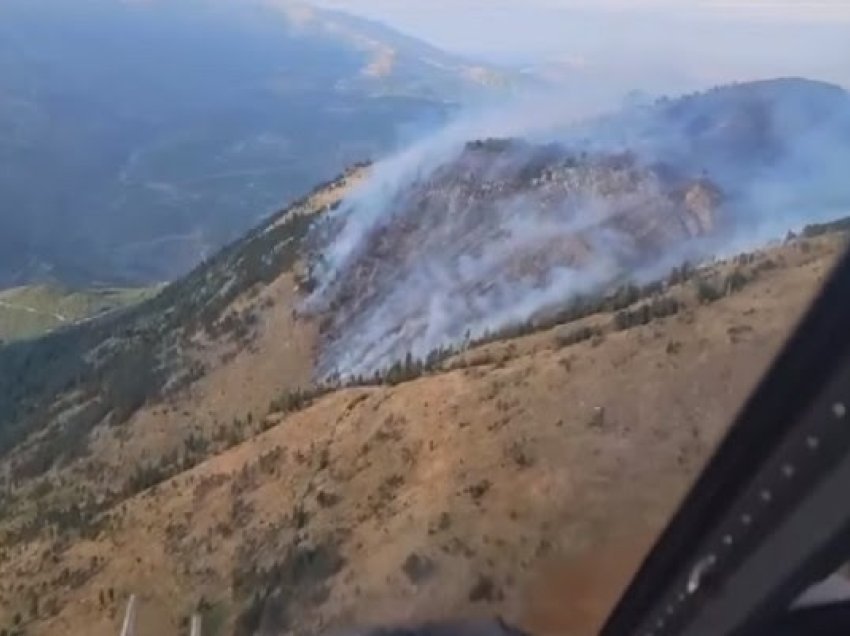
[479, 482]
[31, 311]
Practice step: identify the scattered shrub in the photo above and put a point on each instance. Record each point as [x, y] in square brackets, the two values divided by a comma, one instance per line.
[300, 579]
[706, 290]
[646, 313]
[819, 229]
[579, 334]
[734, 282]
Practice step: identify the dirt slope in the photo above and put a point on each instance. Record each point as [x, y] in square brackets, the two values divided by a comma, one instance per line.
[526, 478]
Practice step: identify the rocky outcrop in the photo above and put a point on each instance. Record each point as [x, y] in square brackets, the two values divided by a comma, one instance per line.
[495, 235]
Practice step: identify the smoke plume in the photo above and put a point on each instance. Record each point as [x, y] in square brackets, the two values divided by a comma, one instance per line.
[449, 240]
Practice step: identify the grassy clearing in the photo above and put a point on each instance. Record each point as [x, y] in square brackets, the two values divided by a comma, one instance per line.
[27, 312]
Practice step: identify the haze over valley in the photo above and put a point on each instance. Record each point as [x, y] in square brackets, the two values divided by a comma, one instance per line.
[137, 138]
[308, 325]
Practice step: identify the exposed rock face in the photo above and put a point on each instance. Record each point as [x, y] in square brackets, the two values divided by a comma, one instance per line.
[504, 230]
[701, 202]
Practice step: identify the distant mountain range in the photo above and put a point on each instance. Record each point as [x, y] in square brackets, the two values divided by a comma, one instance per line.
[137, 137]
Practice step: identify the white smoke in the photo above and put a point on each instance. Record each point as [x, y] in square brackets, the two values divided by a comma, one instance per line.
[369, 204]
[455, 280]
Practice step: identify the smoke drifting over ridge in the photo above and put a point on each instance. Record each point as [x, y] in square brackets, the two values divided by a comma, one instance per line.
[449, 239]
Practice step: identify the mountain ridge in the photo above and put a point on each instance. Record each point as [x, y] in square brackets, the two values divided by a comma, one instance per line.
[387, 43]
[499, 215]
[185, 449]
[416, 500]
[202, 307]
[498, 230]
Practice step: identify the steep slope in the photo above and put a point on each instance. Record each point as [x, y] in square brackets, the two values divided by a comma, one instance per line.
[58, 388]
[502, 231]
[182, 448]
[138, 137]
[482, 487]
[488, 237]
[499, 231]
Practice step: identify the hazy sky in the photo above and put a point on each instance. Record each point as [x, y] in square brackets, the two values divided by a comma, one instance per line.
[658, 42]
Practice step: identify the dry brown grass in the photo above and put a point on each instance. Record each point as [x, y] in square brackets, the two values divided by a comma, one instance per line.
[241, 381]
[531, 482]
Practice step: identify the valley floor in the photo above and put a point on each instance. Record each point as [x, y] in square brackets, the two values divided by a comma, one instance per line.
[27, 312]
